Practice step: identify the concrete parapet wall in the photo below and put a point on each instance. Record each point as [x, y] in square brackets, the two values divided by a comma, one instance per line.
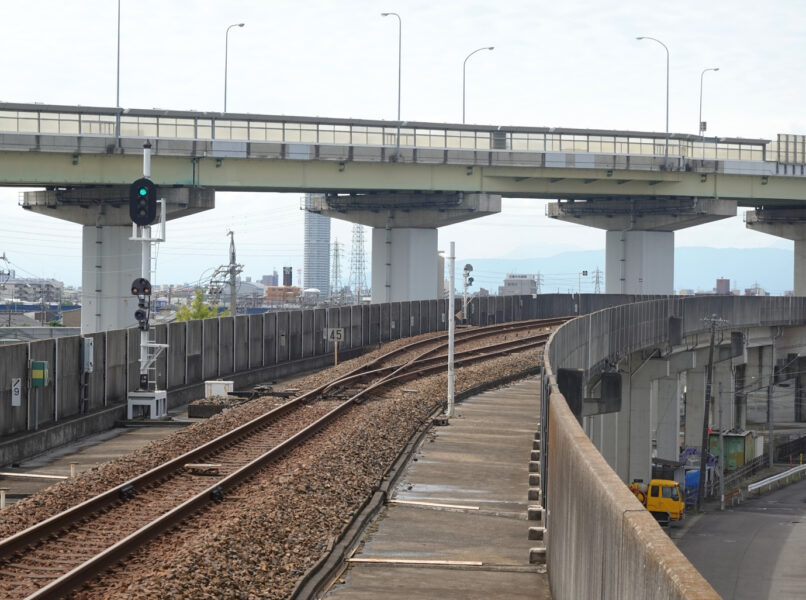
[601, 542]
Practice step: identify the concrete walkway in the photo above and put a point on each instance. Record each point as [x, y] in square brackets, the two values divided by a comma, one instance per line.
[463, 508]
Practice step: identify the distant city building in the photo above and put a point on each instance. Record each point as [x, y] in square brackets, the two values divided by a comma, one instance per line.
[685, 292]
[723, 287]
[31, 290]
[756, 290]
[316, 262]
[273, 279]
[518, 285]
[282, 294]
[288, 274]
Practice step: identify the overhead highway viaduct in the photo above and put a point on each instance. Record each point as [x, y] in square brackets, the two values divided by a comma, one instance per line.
[402, 179]
[591, 517]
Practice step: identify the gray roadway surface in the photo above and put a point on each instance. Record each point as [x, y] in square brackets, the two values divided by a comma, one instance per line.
[479, 462]
[753, 551]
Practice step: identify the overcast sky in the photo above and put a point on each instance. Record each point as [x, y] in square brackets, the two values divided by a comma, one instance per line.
[574, 63]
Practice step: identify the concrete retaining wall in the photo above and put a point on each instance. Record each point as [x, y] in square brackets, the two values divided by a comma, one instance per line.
[601, 542]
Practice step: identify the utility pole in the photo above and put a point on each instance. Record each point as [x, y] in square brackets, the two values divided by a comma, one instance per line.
[721, 452]
[233, 271]
[539, 281]
[714, 321]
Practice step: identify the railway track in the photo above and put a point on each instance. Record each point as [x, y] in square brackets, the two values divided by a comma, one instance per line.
[58, 555]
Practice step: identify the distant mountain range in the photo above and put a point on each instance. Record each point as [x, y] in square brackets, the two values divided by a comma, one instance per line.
[695, 268]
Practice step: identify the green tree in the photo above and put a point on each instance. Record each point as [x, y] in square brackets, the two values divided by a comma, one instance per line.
[198, 309]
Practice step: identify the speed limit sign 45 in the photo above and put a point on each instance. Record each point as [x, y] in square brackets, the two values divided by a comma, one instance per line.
[334, 334]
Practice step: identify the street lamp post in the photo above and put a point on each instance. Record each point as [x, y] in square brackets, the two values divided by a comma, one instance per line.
[704, 71]
[226, 59]
[399, 68]
[666, 154]
[464, 75]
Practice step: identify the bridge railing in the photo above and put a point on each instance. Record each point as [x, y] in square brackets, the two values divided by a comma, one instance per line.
[186, 125]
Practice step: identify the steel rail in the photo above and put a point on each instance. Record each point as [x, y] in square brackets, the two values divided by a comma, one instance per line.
[33, 535]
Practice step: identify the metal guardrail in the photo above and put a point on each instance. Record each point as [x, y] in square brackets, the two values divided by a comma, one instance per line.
[192, 125]
[776, 478]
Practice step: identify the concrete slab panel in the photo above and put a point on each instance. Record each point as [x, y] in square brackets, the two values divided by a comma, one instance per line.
[442, 315]
[194, 351]
[385, 321]
[255, 341]
[177, 350]
[405, 319]
[508, 310]
[350, 318]
[517, 159]
[429, 156]
[294, 335]
[460, 157]
[283, 341]
[13, 365]
[333, 152]
[433, 322]
[269, 339]
[415, 326]
[68, 377]
[367, 154]
[374, 323]
[210, 351]
[499, 309]
[96, 394]
[366, 329]
[394, 321]
[307, 332]
[241, 343]
[265, 150]
[319, 318]
[115, 365]
[225, 346]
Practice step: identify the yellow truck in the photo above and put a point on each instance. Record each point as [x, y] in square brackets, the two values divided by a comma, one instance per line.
[662, 498]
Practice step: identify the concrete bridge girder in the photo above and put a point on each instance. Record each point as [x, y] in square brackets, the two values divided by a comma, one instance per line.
[640, 235]
[788, 223]
[110, 260]
[404, 235]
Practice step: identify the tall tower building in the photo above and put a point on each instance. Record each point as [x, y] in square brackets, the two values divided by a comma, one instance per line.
[316, 263]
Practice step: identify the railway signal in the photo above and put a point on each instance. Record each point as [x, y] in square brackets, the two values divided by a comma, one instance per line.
[143, 202]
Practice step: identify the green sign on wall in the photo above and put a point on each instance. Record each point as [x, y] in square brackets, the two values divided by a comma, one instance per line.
[39, 373]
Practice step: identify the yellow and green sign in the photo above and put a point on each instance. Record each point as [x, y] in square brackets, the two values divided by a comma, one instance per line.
[39, 373]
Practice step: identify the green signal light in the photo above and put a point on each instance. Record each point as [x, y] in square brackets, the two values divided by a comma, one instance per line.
[143, 191]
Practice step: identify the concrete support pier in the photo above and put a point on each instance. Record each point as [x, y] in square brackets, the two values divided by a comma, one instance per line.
[640, 235]
[787, 223]
[110, 261]
[404, 235]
